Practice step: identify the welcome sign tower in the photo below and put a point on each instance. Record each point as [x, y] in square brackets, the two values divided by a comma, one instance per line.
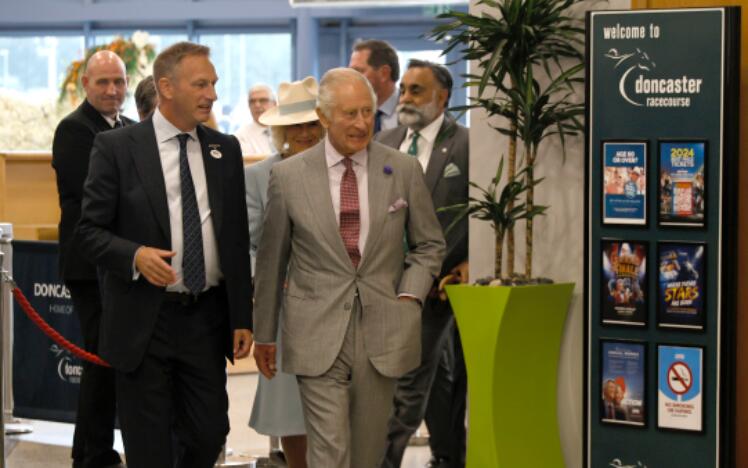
[661, 182]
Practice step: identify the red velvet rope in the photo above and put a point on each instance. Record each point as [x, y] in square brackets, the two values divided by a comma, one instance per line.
[52, 333]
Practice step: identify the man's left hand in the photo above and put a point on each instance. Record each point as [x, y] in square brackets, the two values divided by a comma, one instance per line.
[242, 343]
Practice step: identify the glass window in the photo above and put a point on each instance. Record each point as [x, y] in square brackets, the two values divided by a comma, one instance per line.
[33, 67]
[31, 70]
[159, 40]
[242, 60]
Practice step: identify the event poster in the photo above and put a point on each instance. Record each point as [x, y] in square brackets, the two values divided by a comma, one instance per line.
[682, 183]
[625, 183]
[681, 286]
[680, 388]
[622, 390]
[624, 283]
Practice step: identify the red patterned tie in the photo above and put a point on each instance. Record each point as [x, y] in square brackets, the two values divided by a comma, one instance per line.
[350, 219]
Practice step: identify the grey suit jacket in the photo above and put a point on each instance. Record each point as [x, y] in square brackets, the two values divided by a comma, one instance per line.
[256, 178]
[447, 186]
[302, 242]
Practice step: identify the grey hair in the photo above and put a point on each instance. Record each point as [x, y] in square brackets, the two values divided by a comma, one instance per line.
[262, 87]
[332, 80]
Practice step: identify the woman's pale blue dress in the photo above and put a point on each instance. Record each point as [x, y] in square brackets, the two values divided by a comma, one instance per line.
[277, 407]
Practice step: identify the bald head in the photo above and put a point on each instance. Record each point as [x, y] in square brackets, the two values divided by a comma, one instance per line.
[105, 82]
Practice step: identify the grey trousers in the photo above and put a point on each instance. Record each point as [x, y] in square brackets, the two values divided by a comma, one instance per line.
[346, 409]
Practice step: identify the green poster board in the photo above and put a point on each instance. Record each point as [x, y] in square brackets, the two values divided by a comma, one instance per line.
[660, 237]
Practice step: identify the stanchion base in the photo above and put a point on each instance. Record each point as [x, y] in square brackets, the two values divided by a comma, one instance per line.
[18, 428]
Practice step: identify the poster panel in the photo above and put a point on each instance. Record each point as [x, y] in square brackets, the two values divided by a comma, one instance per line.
[681, 286]
[680, 388]
[623, 292]
[682, 183]
[623, 382]
[625, 182]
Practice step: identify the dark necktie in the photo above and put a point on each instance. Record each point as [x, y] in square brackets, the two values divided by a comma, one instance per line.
[193, 262]
[413, 148]
[350, 218]
[118, 124]
[378, 121]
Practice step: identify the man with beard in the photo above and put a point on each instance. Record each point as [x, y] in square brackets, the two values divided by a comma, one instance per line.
[436, 389]
[105, 84]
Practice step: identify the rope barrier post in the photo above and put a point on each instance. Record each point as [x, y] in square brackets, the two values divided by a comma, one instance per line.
[10, 424]
[3, 302]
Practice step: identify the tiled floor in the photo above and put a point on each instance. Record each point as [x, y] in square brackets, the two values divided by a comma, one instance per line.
[48, 446]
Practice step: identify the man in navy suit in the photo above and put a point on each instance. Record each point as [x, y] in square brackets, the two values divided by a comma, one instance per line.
[164, 219]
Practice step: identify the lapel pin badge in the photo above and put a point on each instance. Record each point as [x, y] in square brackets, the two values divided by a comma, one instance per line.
[444, 150]
[216, 154]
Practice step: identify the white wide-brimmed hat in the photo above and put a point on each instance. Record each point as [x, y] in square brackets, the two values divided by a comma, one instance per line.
[296, 104]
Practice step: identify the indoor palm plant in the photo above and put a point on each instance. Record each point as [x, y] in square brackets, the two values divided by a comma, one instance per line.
[529, 60]
[514, 42]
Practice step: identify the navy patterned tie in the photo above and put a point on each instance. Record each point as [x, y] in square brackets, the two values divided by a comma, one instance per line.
[193, 262]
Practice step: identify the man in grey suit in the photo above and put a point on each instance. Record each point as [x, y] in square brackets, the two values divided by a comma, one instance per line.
[352, 305]
[436, 389]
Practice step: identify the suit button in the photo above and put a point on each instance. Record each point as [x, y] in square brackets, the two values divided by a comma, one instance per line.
[347, 306]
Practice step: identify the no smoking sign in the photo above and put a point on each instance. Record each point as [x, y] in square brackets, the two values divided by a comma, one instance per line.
[679, 378]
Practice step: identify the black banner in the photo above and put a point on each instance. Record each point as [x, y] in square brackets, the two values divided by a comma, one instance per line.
[46, 378]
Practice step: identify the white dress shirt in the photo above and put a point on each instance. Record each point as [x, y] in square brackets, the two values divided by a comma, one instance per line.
[335, 170]
[168, 148]
[389, 109]
[425, 141]
[111, 121]
[255, 140]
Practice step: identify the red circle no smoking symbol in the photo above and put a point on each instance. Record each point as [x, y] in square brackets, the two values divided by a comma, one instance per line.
[679, 378]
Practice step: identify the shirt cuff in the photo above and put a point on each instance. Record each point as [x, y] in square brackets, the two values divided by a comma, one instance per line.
[412, 296]
[135, 272]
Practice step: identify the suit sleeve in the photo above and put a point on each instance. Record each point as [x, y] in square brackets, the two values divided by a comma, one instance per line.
[240, 289]
[99, 214]
[426, 246]
[70, 149]
[254, 209]
[272, 262]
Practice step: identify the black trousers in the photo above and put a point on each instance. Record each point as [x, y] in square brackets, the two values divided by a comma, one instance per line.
[419, 389]
[445, 412]
[173, 408]
[94, 422]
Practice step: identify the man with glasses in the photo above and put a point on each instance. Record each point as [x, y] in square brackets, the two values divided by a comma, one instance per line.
[255, 137]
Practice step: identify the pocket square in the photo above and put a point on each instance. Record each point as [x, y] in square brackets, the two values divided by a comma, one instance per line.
[451, 170]
[399, 204]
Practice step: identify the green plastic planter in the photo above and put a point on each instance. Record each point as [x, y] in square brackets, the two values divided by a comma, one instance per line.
[511, 337]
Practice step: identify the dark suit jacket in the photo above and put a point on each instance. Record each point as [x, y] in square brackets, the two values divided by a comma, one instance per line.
[125, 207]
[71, 151]
[448, 187]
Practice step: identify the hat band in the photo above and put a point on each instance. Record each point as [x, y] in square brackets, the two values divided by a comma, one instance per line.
[294, 107]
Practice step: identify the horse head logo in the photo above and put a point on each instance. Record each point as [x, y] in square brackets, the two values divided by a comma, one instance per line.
[638, 60]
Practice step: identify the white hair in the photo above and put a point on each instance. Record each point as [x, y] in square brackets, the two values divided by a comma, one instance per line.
[262, 87]
[332, 80]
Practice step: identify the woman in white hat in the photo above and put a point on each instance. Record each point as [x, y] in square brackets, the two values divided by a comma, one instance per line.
[294, 127]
